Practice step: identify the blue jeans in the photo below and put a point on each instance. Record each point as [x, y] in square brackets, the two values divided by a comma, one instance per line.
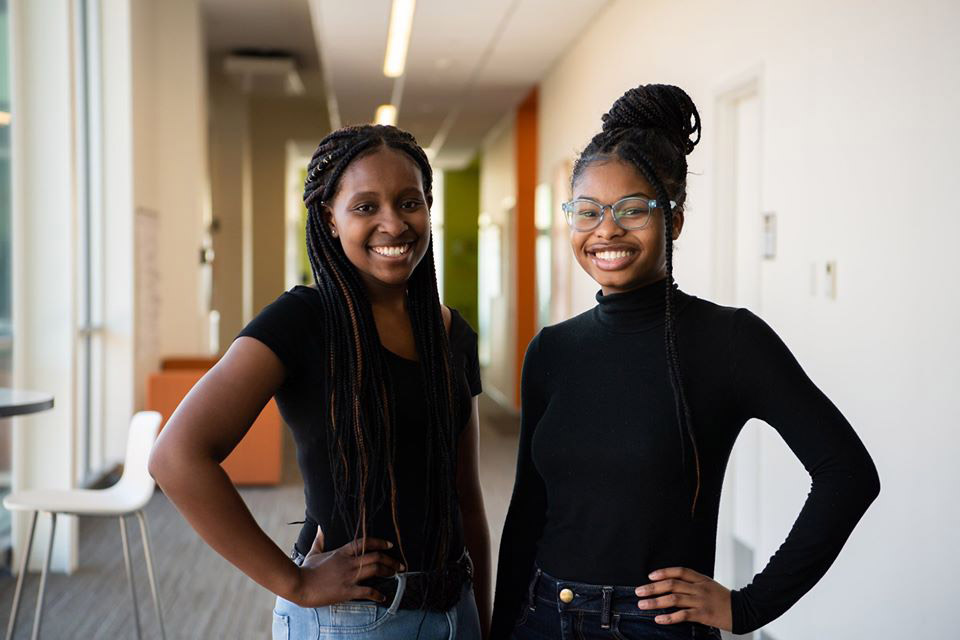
[363, 620]
[596, 611]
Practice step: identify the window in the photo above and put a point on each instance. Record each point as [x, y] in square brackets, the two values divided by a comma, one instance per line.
[6, 321]
[90, 352]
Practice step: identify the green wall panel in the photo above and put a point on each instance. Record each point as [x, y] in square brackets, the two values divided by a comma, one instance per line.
[461, 205]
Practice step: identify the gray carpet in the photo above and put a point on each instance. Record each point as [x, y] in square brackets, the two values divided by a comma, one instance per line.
[202, 595]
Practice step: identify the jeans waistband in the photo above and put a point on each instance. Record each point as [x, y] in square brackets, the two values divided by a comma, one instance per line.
[432, 590]
[570, 596]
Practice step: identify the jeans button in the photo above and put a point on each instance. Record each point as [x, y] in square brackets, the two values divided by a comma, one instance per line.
[566, 595]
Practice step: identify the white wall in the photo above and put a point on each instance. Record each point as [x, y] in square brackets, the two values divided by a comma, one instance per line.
[498, 190]
[170, 163]
[857, 105]
[229, 149]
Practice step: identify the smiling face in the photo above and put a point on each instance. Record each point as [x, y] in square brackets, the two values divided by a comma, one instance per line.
[620, 260]
[382, 217]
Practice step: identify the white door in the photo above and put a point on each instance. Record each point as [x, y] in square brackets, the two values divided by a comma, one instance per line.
[738, 283]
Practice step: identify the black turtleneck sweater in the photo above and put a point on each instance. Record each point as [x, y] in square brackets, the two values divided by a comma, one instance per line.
[602, 492]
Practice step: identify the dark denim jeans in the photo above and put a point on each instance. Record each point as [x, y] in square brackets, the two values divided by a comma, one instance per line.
[596, 611]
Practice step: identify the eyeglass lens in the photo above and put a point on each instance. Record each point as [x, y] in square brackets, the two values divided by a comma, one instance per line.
[631, 213]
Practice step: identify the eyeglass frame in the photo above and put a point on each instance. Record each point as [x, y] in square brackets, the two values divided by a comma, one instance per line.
[651, 204]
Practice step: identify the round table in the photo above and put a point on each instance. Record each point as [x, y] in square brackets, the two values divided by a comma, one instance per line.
[15, 402]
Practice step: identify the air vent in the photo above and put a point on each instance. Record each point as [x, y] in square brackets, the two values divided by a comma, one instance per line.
[264, 71]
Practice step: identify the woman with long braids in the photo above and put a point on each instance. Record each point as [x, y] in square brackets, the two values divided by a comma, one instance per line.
[631, 409]
[377, 381]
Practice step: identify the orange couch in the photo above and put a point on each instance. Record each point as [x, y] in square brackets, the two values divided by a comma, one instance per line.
[258, 459]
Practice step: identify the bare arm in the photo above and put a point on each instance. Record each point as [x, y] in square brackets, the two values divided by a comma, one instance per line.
[204, 429]
[475, 529]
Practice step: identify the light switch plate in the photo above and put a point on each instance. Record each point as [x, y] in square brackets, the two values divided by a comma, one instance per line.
[830, 279]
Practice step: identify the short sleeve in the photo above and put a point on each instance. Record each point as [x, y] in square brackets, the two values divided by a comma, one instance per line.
[282, 325]
[463, 341]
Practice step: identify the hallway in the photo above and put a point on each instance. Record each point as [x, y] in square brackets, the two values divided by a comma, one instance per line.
[202, 595]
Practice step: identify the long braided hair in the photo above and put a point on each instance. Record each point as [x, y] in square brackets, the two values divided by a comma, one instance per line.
[649, 127]
[361, 420]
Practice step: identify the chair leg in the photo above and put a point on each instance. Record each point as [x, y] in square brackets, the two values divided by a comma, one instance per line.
[126, 561]
[25, 558]
[43, 577]
[142, 517]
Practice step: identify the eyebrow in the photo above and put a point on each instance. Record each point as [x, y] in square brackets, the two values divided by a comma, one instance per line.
[632, 195]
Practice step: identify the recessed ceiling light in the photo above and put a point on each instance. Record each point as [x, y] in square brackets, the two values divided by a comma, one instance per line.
[386, 114]
[398, 37]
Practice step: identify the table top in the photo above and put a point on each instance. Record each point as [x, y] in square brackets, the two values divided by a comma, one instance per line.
[16, 402]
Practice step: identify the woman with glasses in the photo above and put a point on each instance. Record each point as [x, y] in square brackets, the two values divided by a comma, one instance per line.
[377, 381]
[631, 409]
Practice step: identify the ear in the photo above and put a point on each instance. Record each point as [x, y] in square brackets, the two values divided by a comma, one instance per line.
[677, 222]
[329, 220]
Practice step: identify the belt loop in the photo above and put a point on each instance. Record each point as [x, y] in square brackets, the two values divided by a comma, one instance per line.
[401, 586]
[531, 596]
[297, 557]
[605, 609]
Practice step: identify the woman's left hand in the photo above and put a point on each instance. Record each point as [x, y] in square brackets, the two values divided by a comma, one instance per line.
[699, 598]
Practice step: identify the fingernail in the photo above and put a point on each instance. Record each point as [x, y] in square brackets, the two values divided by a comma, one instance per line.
[402, 568]
[639, 591]
[654, 575]
[660, 619]
[389, 545]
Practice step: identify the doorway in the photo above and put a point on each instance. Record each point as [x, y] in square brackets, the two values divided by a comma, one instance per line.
[738, 283]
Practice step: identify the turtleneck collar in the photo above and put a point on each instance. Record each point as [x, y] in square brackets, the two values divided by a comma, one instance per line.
[636, 310]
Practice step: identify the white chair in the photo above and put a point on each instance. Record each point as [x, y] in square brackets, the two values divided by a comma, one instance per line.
[129, 496]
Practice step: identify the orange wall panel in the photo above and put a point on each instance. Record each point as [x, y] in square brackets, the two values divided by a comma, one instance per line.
[526, 231]
[257, 459]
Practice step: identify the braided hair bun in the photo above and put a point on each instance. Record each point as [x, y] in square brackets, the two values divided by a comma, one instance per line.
[663, 107]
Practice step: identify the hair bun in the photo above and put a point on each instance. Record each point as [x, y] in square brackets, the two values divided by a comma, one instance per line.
[663, 107]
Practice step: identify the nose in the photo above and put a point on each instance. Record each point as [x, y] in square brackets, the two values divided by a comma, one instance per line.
[392, 222]
[608, 227]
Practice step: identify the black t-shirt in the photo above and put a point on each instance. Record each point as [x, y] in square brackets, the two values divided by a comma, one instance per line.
[290, 328]
[602, 495]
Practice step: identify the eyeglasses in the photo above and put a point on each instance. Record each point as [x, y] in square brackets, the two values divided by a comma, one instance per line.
[630, 214]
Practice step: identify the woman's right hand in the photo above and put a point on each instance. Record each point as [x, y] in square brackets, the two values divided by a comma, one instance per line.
[330, 577]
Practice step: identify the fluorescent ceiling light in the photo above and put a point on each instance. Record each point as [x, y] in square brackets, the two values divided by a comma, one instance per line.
[386, 114]
[398, 37]
[4, 118]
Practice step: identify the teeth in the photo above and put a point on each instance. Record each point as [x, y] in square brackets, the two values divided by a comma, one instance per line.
[398, 250]
[612, 255]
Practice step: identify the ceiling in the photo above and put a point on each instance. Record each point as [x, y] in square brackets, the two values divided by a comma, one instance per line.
[468, 64]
